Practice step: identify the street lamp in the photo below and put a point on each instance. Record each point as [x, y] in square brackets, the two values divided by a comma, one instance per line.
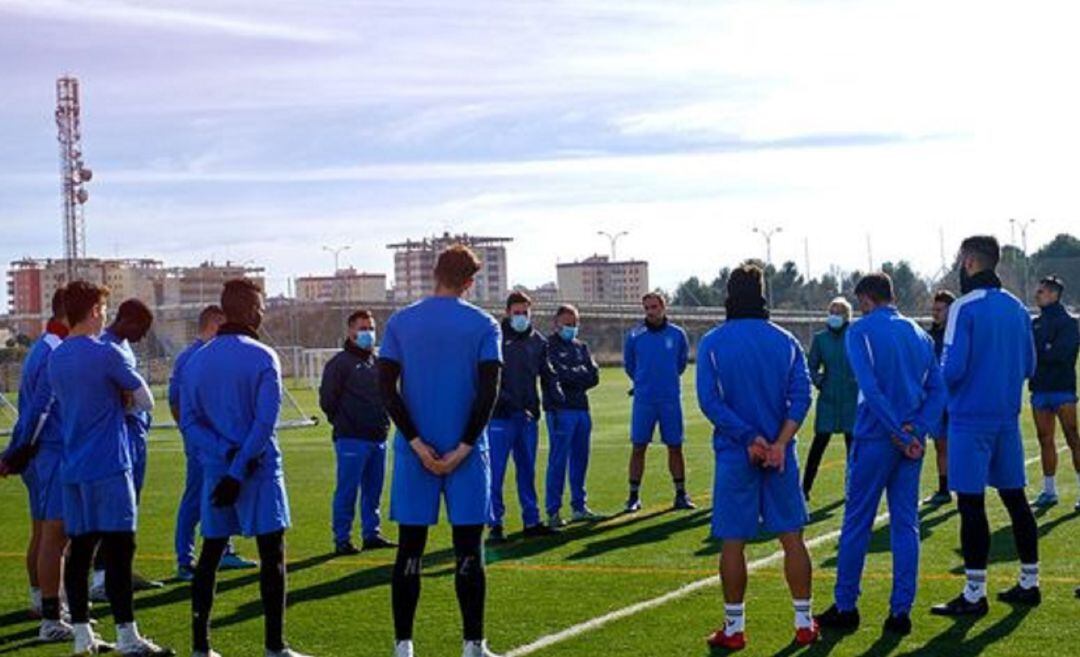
[337, 251]
[1024, 225]
[613, 239]
[767, 235]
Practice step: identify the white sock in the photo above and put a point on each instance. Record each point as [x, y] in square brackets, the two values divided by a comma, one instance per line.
[403, 648]
[1050, 485]
[98, 581]
[127, 634]
[804, 617]
[472, 649]
[35, 598]
[734, 618]
[1029, 575]
[84, 637]
[1078, 478]
[975, 589]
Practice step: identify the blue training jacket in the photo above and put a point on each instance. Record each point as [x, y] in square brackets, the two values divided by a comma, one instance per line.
[751, 378]
[654, 359]
[525, 359]
[989, 352]
[34, 395]
[577, 372]
[899, 377]
[230, 399]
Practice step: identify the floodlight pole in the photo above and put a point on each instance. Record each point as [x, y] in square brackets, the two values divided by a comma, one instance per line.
[767, 235]
[613, 239]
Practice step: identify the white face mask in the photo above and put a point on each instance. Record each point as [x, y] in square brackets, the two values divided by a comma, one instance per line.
[834, 321]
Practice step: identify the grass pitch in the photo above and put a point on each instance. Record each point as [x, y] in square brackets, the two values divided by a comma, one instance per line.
[341, 606]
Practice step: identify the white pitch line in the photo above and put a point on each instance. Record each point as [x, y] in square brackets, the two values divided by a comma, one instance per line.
[681, 592]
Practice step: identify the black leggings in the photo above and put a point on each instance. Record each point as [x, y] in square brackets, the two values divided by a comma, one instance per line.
[118, 553]
[813, 459]
[271, 587]
[975, 528]
[470, 581]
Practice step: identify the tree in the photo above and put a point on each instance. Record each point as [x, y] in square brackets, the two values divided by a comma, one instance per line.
[1060, 257]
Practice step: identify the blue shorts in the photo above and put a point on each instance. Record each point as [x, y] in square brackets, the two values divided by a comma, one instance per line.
[1051, 401]
[748, 499]
[261, 508]
[985, 453]
[415, 492]
[104, 505]
[42, 479]
[646, 415]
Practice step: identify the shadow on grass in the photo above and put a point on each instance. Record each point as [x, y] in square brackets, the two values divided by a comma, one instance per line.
[954, 641]
[644, 535]
[825, 512]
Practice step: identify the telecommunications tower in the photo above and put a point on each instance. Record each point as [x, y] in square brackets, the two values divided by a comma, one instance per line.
[73, 172]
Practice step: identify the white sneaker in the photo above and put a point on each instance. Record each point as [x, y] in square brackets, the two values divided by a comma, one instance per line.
[403, 649]
[87, 642]
[476, 649]
[55, 631]
[212, 653]
[555, 521]
[97, 594]
[586, 515]
[140, 646]
[286, 652]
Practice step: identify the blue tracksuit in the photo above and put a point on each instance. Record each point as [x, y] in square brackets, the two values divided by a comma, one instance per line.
[655, 358]
[42, 474]
[138, 422]
[514, 427]
[187, 513]
[899, 384]
[230, 400]
[752, 378]
[569, 423]
[989, 352]
[1057, 343]
[349, 395]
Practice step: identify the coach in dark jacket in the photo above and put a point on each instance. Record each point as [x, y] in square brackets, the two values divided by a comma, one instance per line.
[349, 395]
[1053, 388]
[513, 429]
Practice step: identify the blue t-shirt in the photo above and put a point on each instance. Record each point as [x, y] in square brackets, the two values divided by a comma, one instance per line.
[138, 421]
[229, 406]
[34, 395]
[177, 378]
[87, 377]
[439, 343]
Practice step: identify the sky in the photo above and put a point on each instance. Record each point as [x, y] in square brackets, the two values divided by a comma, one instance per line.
[232, 129]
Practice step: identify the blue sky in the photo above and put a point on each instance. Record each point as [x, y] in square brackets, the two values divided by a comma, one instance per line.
[255, 130]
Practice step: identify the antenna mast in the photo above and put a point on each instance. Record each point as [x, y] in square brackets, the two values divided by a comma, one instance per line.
[73, 172]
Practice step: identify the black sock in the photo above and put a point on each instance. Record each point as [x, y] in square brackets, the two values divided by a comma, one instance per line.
[635, 488]
[202, 591]
[974, 530]
[50, 608]
[76, 574]
[1025, 532]
[272, 588]
[680, 486]
[943, 483]
[405, 586]
[119, 549]
[470, 581]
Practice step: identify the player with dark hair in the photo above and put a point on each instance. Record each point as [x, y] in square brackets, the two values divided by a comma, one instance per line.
[230, 400]
[95, 385]
[569, 421]
[1053, 388]
[902, 397]
[754, 387]
[655, 355]
[349, 395]
[439, 368]
[989, 352]
[35, 451]
[515, 423]
[939, 314]
[187, 514]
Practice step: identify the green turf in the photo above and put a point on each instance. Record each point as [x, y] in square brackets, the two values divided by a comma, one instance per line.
[340, 607]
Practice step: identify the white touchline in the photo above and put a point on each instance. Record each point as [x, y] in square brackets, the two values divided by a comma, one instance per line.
[681, 592]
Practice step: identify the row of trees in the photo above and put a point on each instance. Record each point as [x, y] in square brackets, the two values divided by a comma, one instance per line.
[791, 290]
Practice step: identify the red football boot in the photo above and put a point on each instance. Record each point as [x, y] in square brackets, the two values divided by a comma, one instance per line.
[804, 636]
[735, 641]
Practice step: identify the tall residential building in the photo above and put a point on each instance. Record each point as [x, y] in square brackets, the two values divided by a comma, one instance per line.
[347, 285]
[31, 283]
[414, 260]
[24, 278]
[599, 280]
[202, 284]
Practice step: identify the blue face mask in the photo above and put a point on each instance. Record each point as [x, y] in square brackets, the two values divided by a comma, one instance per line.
[834, 322]
[519, 323]
[365, 340]
[568, 333]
